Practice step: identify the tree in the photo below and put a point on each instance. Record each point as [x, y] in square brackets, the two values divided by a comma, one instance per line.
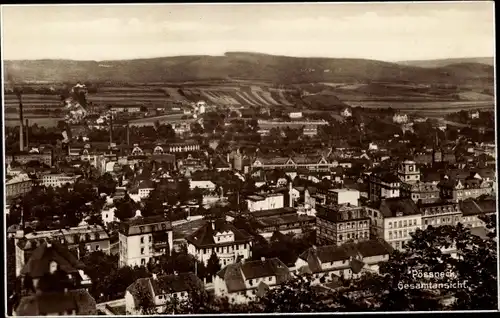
[125, 208]
[213, 266]
[145, 303]
[106, 184]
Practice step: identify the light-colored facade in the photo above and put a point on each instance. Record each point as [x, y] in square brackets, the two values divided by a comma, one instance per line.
[93, 237]
[222, 239]
[19, 185]
[265, 202]
[343, 196]
[143, 239]
[58, 180]
[246, 281]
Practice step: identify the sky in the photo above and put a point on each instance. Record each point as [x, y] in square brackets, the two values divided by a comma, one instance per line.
[381, 31]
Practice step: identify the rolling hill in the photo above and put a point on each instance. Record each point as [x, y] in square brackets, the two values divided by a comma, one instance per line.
[242, 66]
[444, 62]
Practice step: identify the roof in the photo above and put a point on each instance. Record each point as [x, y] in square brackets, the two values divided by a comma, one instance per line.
[39, 261]
[234, 275]
[315, 257]
[204, 236]
[392, 206]
[54, 303]
[149, 224]
[146, 184]
[469, 207]
[71, 235]
[272, 212]
[388, 177]
[174, 283]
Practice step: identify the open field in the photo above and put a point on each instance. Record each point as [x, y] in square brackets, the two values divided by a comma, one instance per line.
[40, 121]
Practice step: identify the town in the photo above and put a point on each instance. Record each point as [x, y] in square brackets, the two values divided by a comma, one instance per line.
[234, 208]
[208, 159]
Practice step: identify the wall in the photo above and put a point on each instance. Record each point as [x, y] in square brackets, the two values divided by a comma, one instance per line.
[391, 232]
[269, 202]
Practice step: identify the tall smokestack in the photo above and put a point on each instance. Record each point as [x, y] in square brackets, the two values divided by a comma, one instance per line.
[128, 134]
[21, 118]
[27, 133]
[110, 129]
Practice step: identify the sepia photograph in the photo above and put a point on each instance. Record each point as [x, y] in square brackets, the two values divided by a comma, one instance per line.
[249, 158]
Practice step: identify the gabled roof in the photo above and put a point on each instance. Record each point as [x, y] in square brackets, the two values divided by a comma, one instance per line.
[39, 261]
[390, 207]
[174, 283]
[204, 236]
[150, 224]
[234, 275]
[50, 303]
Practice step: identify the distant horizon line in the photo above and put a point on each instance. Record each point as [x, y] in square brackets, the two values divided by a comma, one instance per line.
[246, 52]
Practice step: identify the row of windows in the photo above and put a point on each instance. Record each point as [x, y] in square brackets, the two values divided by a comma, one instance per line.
[252, 281]
[352, 225]
[404, 223]
[398, 244]
[399, 234]
[353, 236]
[444, 220]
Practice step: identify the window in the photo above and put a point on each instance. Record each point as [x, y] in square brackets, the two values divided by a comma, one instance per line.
[414, 222]
[142, 250]
[425, 222]
[390, 225]
[405, 233]
[390, 235]
[141, 228]
[160, 297]
[405, 223]
[400, 234]
[251, 282]
[97, 247]
[348, 235]
[143, 261]
[142, 240]
[400, 224]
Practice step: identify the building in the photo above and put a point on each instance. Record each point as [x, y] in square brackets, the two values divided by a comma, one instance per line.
[145, 188]
[400, 118]
[284, 220]
[56, 180]
[202, 184]
[440, 213]
[265, 201]
[295, 115]
[57, 284]
[473, 211]
[160, 290]
[310, 130]
[93, 238]
[384, 185]
[408, 172]
[311, 163]
[394, 220]
[343, 196]
[18, 185]
[144, 239]
[455, 189]
[350, 260]
[347, 112]
[24, 158]
[221, 238]
[245, 281]
[125, 109]
[340, 224]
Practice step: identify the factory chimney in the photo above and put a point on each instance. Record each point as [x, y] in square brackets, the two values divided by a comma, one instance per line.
[110, 129]
[27, 134]
[21, 118]
[128, 134]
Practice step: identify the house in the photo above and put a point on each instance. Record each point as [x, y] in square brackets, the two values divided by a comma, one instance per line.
[295, 114]
[93, 238]
[330, 262]
[283, 220]
[265, 201]
[347, 112]
[18, 185]
[384, 184]
[472, 211]
[56, 180]
[440, 213]
[310, 162]
[245, 281]
[337, 224]
[456, 189]
[394, 220]
[310, 130]
[145, 188]
[57, 284]
[160, 290]
[400, 118]
[343, 196]
[221, 238]
[202, 184]
[144, 239]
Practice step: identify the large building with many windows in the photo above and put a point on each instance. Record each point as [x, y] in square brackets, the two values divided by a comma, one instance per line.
[222, 239]
[144, 239]
[338, 224]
